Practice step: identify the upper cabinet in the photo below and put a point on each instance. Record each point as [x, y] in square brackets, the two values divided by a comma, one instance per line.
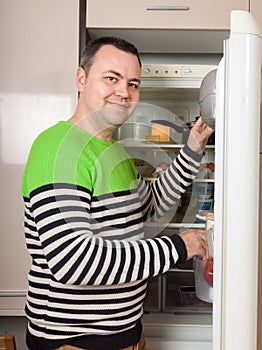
[164, 26]
[256, 11]
[162, 14]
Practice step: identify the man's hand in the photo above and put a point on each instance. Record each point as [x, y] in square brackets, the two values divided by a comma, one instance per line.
[198, 136]
[195, 242]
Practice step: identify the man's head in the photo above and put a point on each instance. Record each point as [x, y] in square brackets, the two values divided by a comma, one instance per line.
[93, 46]
[108, 81]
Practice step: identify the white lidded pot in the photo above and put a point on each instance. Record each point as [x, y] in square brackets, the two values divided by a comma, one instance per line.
[207, 98]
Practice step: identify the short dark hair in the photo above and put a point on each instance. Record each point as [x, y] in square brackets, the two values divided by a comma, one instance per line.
[93, 46]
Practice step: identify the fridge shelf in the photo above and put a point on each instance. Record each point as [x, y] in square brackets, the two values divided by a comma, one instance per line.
[174, 225]
[196, 180]
[151, 145]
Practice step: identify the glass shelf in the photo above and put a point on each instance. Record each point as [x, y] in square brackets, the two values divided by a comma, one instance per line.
[145, 144]
[175, 225]
[196, 180]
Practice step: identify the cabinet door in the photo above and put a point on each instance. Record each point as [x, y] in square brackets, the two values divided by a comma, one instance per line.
[256, 10]
[170, 14]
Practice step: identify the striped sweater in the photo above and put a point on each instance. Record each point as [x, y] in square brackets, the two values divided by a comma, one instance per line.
[85, 210]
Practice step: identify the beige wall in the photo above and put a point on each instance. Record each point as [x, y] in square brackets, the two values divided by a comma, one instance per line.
[39, 57]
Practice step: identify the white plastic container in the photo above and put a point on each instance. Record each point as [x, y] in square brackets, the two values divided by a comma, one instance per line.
[204, 290]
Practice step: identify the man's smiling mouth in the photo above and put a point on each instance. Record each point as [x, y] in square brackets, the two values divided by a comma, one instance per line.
[119, 106]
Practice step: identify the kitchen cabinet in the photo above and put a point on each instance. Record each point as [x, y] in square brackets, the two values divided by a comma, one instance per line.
[256, 11]
[156, 14]
[36, 91]
[168, 26]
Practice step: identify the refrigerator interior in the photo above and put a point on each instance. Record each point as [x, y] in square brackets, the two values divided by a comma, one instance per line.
[175, 100]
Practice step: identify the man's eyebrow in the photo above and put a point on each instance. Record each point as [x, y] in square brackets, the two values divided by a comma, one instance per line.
[120, 75]
[136, 79]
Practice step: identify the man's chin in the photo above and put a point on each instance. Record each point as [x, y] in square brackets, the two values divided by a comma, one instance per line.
[117, 118]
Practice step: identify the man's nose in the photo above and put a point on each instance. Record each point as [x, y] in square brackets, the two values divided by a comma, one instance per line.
[122, 90]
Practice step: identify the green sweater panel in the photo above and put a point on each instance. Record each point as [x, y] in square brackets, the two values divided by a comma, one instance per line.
[65, 153]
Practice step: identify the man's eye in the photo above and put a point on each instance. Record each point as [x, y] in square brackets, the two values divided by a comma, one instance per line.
[134, 85]
[111, 78]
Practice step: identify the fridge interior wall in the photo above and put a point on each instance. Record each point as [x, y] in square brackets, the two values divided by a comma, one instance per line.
[182, 102]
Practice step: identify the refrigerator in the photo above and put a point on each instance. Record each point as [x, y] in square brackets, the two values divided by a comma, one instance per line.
[235, 104]
[236, 211]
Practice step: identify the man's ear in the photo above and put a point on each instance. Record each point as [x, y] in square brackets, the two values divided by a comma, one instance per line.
[80, 78]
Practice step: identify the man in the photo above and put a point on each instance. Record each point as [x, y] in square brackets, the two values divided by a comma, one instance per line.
[85, 209]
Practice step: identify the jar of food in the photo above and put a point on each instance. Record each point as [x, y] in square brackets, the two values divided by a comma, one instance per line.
[210, 236]
[203, 268]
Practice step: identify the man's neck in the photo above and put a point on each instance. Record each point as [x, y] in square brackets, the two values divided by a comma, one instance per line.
[90, 126]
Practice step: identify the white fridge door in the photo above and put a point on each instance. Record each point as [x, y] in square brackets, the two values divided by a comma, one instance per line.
[237, 187]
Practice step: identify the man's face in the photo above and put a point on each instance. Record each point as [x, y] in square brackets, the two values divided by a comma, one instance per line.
[111, 86]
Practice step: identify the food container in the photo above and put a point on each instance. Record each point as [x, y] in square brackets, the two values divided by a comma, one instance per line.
[205, 189]
[203, 268]
[203, 273]
[207, 196]
[210, 236]
[205, 204]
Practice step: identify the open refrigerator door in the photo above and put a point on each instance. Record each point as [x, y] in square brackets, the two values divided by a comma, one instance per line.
[236, 192]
